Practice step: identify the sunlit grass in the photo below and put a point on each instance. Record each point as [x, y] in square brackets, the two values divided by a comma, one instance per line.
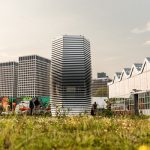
[86, 132]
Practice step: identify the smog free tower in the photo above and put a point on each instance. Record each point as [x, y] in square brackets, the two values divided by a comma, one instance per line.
[71, 74]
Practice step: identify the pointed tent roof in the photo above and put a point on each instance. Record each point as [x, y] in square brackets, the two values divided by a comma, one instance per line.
[117, 76]
[125, 72]
[138, 67]
[148, 59]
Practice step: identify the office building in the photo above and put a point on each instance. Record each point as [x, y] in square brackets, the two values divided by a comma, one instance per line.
[8, 79]
[71, 74]
[33, 76]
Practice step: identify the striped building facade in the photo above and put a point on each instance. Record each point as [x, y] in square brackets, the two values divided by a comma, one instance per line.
[71, 75]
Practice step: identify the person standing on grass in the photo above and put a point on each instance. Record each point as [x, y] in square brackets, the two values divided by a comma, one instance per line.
[92, 111]
[31, 105]
[95, 108]
[37, 103]
[1, 108]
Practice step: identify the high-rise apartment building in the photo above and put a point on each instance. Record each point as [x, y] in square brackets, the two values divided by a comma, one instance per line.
[8, 79]
[33, 76]
[71, 74]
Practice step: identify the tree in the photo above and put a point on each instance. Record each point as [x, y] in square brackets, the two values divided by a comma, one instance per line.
[102, 92]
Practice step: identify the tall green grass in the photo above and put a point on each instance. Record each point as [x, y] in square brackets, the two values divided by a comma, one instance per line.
[74, 133]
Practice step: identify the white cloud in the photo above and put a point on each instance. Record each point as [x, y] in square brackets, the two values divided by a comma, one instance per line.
[147, 43]
[142, 30]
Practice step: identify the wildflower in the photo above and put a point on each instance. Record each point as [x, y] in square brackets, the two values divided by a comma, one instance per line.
[144, 147]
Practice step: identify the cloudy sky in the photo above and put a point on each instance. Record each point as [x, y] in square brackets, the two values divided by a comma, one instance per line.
[119, 30]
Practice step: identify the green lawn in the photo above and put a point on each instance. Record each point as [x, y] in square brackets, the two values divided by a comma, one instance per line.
[74, 133]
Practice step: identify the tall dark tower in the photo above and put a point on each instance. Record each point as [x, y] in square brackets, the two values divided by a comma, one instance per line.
[71, 74]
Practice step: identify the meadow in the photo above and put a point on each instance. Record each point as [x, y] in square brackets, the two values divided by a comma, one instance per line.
[74, 133]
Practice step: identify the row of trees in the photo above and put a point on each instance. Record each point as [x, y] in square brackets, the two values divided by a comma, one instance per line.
[101, 92]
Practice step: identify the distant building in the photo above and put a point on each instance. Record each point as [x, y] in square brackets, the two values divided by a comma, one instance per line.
[8, 79]
[33, 76]
[99, 85]
[71, 74]
[102, 75]
[130, 89]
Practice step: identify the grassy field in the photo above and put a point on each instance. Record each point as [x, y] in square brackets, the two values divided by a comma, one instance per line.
[74, 133]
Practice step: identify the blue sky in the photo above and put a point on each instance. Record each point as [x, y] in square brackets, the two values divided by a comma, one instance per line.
[119, 30]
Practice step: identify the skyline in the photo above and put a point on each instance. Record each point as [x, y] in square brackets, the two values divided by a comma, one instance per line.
[119, 31]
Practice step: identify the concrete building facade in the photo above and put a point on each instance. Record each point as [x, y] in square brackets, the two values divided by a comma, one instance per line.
[8, 79]
[33, 76]
[71, 74]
